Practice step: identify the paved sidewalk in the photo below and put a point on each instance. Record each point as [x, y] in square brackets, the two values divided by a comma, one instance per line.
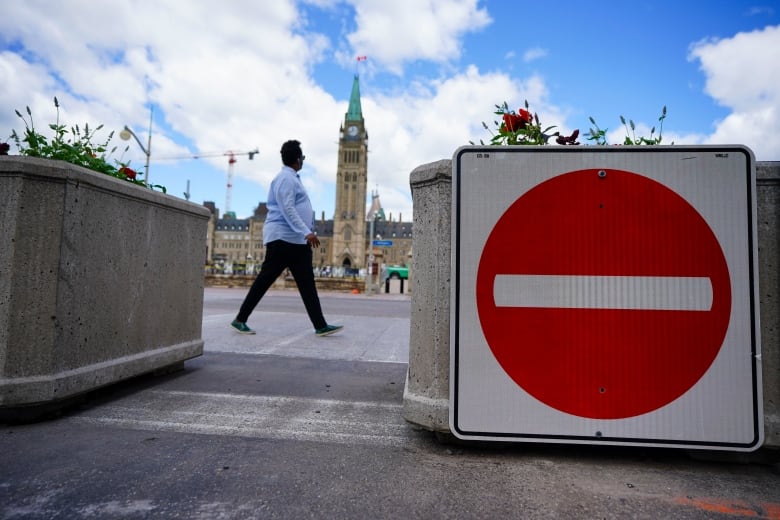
[287, 425]
[283, 328]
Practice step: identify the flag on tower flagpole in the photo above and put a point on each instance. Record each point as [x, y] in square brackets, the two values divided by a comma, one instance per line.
[362, 58]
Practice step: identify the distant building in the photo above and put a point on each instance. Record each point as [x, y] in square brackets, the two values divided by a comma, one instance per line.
[236, 240]
[344, 239]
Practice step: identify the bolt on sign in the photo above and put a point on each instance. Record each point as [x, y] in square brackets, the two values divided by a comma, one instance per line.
[606, 295]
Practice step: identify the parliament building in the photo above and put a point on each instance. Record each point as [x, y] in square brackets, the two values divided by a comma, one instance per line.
[345, 244]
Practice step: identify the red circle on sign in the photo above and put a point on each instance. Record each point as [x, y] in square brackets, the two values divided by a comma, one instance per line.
[603, 363]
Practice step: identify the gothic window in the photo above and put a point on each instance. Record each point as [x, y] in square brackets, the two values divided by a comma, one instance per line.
[348, 234]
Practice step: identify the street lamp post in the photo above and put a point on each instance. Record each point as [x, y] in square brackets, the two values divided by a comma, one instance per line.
[374, 213]
[125, 135]
[370, 270]
[370, 285]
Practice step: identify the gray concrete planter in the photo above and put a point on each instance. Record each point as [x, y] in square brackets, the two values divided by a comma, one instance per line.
[100, 280]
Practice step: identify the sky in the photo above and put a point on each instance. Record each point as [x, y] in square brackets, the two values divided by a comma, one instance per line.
[238, 76]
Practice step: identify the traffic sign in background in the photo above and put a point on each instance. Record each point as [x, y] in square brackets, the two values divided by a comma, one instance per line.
[606, 295]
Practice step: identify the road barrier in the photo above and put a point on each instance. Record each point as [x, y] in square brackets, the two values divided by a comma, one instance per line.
[427, 389]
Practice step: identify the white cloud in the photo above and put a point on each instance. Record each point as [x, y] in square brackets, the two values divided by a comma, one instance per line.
[400, 31]
[534, 54]
[429, 124]
[760, 10]
[241, 77]
[742, 73]
[232, 78]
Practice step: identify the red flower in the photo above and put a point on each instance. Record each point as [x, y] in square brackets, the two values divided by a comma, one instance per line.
[515, 122]
[129, 172]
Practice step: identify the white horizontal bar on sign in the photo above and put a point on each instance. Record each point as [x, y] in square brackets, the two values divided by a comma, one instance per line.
[667, 293]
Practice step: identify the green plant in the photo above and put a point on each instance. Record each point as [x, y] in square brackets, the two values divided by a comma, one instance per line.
[74, 146]
[599, 135]
[523, 128]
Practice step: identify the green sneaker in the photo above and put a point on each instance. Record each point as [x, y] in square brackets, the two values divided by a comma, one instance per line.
[327, 330]
[241, 327]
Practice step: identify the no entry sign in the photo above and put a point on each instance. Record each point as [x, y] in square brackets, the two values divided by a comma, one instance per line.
[605, 295]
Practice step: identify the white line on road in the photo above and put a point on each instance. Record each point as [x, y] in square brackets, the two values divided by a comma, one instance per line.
[260, 416]
[219, 318]
[603, 292]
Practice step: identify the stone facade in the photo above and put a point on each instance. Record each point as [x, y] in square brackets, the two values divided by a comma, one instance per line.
[239, 242]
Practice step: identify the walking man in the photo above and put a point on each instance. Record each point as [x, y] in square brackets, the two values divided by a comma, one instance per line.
[288, 237]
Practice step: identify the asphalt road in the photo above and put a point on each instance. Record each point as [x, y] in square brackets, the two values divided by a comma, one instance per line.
[287, 425]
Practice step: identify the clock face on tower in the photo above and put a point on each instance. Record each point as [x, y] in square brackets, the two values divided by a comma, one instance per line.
[352, 130]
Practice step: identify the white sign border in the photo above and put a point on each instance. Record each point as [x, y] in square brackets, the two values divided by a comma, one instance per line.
[632, 431]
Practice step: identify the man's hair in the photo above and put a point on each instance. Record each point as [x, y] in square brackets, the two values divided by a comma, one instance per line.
[291, 152]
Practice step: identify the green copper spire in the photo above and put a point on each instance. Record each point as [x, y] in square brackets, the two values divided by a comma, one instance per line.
[354, 112]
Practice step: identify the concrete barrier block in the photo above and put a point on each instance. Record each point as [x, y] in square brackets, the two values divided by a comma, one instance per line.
[768, 219]
[426, 395]
[100, 280]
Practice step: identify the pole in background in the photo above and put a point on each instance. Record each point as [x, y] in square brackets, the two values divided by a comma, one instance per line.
[125, 135]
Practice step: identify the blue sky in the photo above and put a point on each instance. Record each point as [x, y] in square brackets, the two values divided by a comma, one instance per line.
[248, 75]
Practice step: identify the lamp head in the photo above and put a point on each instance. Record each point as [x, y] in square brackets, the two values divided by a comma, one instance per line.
[125, 134]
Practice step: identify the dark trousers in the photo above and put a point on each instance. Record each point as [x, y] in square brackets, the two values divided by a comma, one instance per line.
[281, 255]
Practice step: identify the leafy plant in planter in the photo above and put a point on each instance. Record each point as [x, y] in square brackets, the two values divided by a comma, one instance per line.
[524, 128]
[599, 135]
[75, 146]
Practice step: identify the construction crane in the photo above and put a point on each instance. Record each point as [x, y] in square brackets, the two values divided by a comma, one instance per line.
[231, 161]
[231, 155]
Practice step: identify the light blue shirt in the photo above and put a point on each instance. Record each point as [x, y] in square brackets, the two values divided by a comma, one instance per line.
[290, 215]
